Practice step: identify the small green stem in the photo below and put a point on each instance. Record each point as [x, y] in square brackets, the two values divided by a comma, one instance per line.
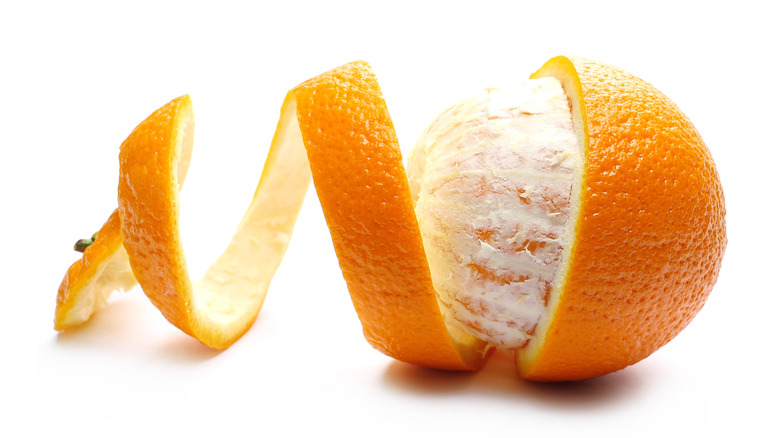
[83, 244]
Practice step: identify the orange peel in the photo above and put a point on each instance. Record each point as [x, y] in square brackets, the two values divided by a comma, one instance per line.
[330, 117]
[102, 269]
[219, 308]
[362, 186]
[650, 228]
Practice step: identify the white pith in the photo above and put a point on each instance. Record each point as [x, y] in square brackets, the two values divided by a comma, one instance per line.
[112, 275]
[492, 180]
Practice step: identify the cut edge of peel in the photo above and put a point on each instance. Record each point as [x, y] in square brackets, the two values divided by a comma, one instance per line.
[220, 307]
[448, 349]
[260, 241]
[563, 69]
[473, 351]
[91, 280]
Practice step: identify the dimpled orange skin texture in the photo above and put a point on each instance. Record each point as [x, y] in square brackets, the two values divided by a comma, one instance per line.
[108, 241]
[358, 172]
[148, 223]
[651, 231]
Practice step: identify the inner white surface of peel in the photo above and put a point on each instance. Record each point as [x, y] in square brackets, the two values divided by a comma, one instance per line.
[113, 274]
[492, 181]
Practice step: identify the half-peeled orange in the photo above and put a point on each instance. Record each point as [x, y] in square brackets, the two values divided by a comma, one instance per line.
[582, 229]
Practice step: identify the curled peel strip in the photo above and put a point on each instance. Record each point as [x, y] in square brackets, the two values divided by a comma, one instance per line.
[221, 307]
[334, 127]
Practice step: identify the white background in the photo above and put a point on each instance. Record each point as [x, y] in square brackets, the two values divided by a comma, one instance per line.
[76, 77]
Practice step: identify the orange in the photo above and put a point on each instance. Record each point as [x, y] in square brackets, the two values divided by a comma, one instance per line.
[646, 228]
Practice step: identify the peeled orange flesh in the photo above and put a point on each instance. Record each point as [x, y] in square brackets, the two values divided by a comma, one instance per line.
[493, 177]
[576, 219]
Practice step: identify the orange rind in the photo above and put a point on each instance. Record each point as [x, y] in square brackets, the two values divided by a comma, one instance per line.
[651, 228]
[102, 269]
[219, 308]
[362, 186]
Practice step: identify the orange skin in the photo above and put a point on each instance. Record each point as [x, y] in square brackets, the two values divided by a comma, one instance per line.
[150, 228]
[358, 171]
[651, 230]
[107, 243]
